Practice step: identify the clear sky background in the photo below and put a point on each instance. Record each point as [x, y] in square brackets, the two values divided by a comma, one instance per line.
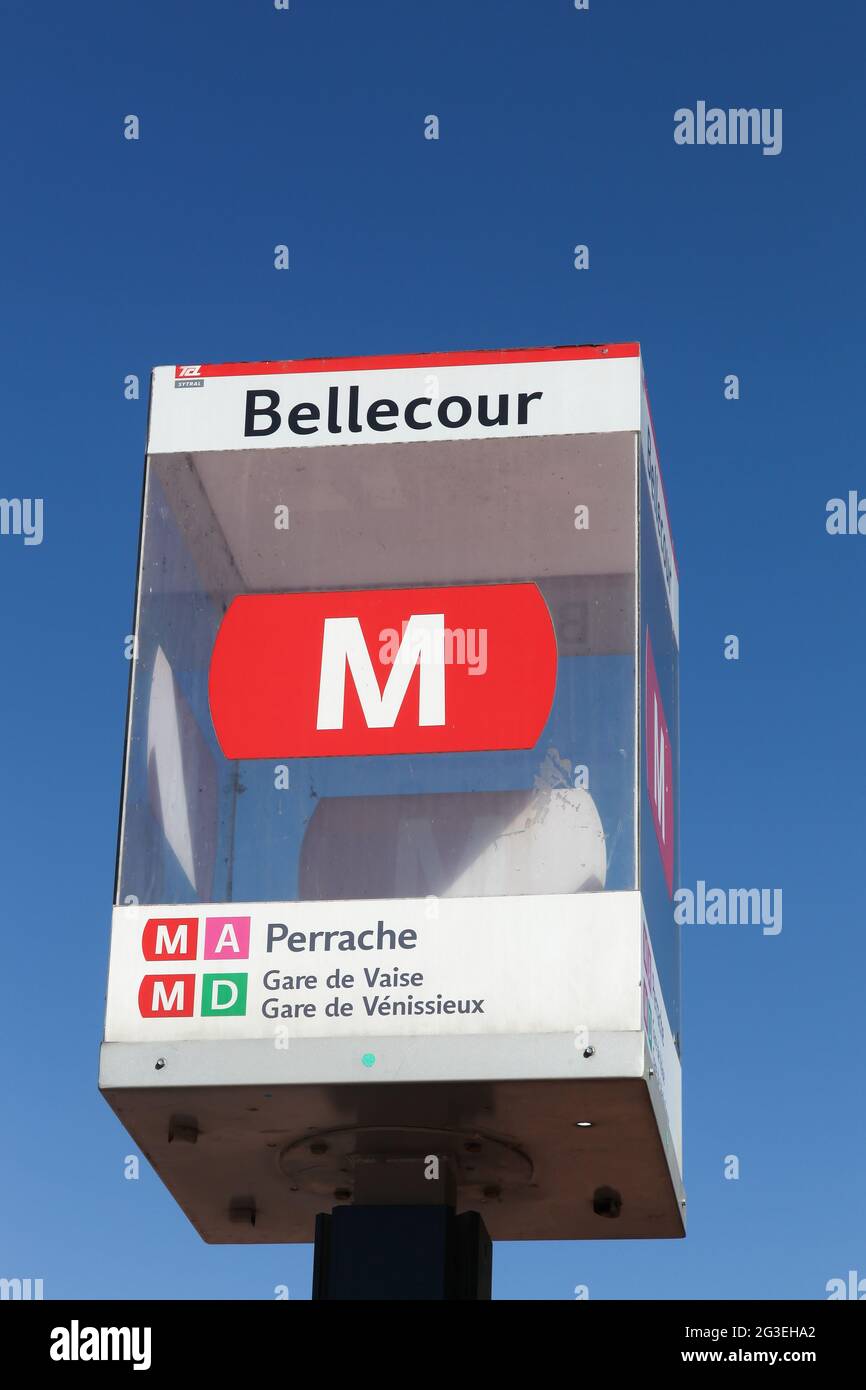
[306, 127]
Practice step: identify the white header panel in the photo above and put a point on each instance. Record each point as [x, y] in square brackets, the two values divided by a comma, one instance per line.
[200, 408]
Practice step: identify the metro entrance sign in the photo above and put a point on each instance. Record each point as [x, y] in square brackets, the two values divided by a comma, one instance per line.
[398, 839]
[299, 675]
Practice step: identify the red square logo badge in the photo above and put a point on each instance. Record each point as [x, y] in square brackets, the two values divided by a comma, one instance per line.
[166, 996]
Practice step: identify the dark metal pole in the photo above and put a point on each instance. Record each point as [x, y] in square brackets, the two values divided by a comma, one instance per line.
[402, 1252]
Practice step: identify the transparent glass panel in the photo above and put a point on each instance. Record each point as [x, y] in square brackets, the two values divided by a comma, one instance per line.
[557, 817]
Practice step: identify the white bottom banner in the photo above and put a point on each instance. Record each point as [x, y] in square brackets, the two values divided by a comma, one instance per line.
[409, 967]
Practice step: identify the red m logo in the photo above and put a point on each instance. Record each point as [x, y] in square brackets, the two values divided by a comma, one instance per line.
[660, 768]
[383, 671]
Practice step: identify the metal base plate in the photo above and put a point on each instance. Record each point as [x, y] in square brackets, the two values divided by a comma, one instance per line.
[538, 1159]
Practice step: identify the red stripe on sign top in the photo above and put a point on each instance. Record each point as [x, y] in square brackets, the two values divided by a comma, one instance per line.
[501, 357]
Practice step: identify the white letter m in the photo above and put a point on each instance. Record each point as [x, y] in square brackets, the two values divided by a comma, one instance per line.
[659, 766]
[343, 644]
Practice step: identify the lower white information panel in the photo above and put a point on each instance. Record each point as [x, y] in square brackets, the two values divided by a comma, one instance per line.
[410, 967]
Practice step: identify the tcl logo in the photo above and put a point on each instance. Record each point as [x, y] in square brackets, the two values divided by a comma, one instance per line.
[188, 371]
[383, 671]
[660, 779]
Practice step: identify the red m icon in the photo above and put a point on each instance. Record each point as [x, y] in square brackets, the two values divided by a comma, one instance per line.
[383, 671]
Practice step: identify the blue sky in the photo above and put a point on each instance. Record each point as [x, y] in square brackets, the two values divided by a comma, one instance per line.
[305, 127]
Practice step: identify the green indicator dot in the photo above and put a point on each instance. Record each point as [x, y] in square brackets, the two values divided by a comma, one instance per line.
[368, 1059]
